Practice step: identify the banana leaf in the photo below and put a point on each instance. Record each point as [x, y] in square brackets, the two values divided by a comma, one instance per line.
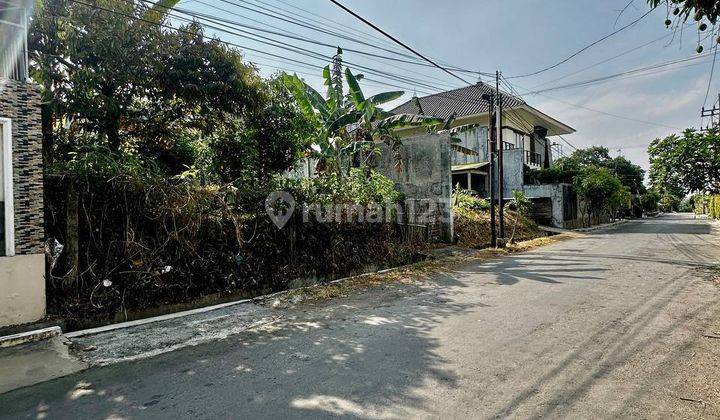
[333, 101]
[384, 97]
[409, 120]
[343, 120]
[299, 92]
[355, 92]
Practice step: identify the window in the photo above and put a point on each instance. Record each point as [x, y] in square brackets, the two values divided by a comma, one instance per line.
[7, 222]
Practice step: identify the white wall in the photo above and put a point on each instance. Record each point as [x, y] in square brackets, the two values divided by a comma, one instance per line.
[22, 289]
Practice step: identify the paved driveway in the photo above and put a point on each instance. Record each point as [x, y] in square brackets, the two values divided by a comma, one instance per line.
[610, 324]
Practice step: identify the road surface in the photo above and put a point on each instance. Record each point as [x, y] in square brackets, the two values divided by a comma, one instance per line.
[614, 324]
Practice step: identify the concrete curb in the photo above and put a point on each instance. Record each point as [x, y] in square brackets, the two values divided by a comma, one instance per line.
[263, 298]
[605, 226]
[30, 336]
[128, 324]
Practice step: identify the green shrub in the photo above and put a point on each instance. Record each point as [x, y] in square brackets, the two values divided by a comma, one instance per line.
[361, 187]
[468, 200]
[141, 245]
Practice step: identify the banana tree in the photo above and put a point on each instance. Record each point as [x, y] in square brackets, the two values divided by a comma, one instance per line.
[347, 125]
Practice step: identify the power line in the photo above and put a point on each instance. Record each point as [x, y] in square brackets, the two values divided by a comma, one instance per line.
[585, 48]
[568, 143]
[333, 23]
[365, 35]
[604, 61]
[609, 114]
[620, 74]
[286, 46]
[298, 37]
[243, 47]
[230, 24]
[512, 89]
[294, 21]
[397, 41]
[710, 79]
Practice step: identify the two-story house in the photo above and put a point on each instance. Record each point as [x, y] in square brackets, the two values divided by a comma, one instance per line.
[22, 261]
[526, 134]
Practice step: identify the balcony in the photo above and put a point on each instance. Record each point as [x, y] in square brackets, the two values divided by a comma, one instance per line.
[13, 40]
[533, 159]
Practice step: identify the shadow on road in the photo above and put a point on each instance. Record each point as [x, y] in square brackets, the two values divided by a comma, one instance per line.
[344, 358]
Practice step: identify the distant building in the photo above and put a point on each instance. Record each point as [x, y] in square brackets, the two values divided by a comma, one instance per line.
[527, 142]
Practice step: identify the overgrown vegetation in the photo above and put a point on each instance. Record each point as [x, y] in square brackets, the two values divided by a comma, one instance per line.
[158, 166]
[686, 169]
[472, 221]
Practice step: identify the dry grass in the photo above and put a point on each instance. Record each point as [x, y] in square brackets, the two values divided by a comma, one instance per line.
[472, 228]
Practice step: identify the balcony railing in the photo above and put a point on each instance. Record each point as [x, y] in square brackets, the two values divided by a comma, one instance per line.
[508, 145]
[532, 158]
[13, 40]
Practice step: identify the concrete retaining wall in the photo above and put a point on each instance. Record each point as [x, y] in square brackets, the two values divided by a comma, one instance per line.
[514, 171]
[555, 193]
[424, 177]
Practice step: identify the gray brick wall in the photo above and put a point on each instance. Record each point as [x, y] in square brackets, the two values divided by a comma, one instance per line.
[20, 101]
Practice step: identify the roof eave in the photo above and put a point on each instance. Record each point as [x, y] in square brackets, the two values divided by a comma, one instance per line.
[560, 127]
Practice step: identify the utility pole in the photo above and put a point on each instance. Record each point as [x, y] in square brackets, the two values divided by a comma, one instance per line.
[491, 154]
[714, 115]
[501, 151]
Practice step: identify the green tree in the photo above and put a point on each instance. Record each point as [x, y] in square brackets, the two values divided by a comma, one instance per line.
[348, 125]
[687, 163]
[269, 139]
[566, 169]
[620, 199]
[669, 203]
[650, 201]
[596, 186]
[127, 83]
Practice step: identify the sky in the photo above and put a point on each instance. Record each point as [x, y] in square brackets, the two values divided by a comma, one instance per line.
[515, 37]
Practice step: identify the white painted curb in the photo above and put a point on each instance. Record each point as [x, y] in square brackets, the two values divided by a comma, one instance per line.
[30, 336]
[143, 321]
[128, 324]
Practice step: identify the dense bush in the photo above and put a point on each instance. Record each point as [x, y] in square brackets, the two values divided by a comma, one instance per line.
[669, 203]
[133, 243]
[469, 200]
[650, 201]
[713, 206]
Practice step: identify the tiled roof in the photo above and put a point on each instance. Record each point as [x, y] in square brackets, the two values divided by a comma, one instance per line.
[465, 101]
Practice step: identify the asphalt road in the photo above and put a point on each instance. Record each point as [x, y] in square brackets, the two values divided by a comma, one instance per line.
[608, 325]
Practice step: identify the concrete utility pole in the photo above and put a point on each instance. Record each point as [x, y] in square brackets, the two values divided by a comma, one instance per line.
[501, 151]
[714, 115]
[491, 153]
